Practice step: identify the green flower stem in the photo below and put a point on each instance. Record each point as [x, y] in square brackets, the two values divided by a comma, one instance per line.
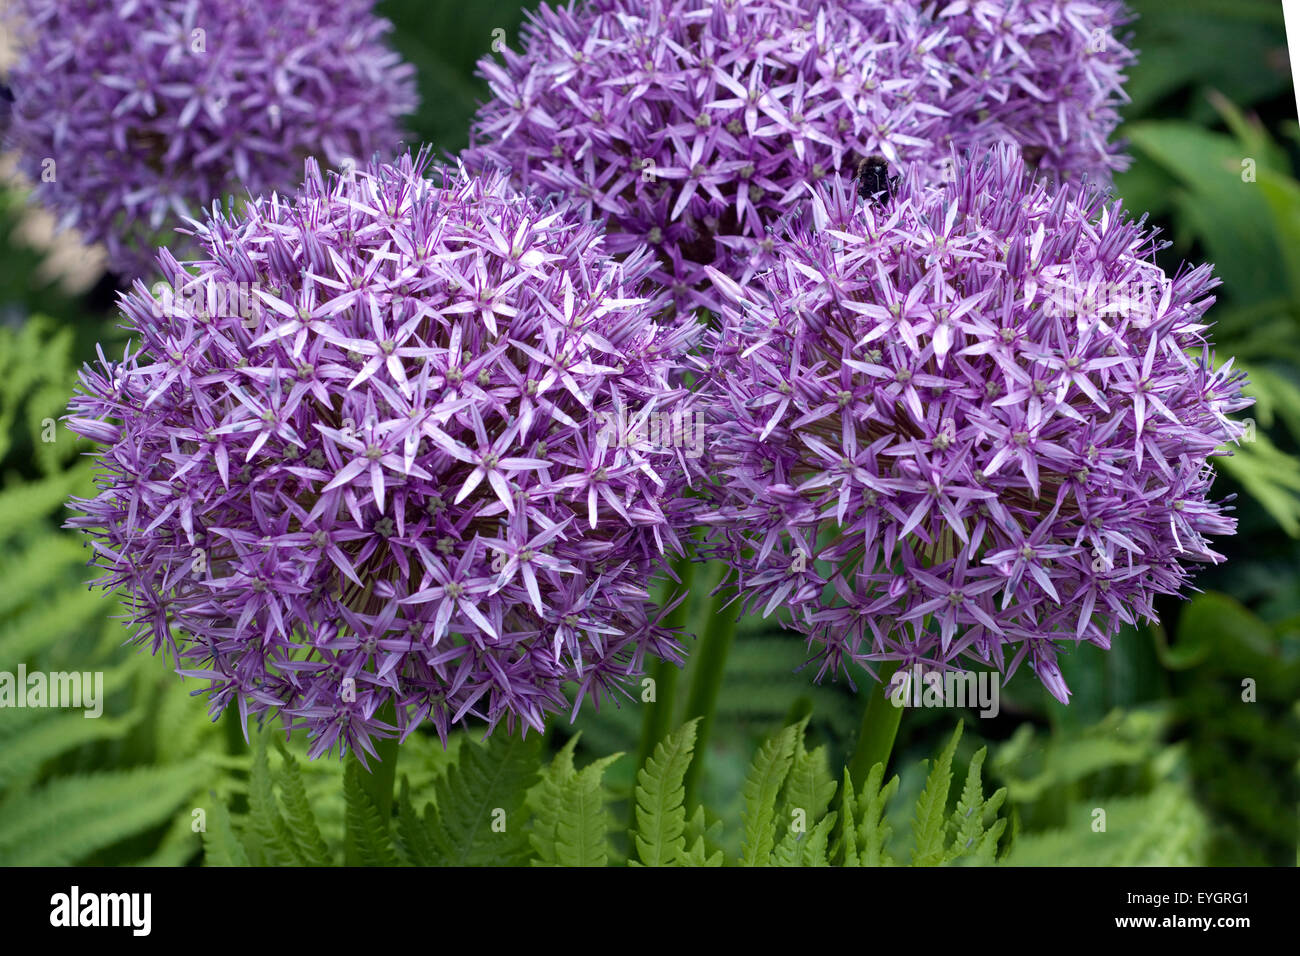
[710, 662]
[659, 716]
[879, 729]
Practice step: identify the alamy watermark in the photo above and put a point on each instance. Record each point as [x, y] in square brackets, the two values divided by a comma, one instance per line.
[659, 430]
[1066, 298]
[55, 689]
[206, 300]
[922, 687]
[75, 908]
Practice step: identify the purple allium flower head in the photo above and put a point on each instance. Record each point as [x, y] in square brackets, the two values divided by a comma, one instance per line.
[971, 422]
[371, 452]
[132, 114]
[693, 125]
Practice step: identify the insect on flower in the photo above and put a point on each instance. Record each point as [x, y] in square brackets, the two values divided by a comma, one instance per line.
[874, 181]
[6, 112]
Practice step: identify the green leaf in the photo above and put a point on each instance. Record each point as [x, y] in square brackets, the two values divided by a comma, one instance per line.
[73, 817]
[701, 839]
[221, 846]
[1165, 827]
[368, 836]
[1270, 476]
[24, 505]
[816, 848]
[968, 819]
[848, 842]
[762, 786]
[544, 801]
[414, 834]
[810, 787]
[582, 820]
[660, 798]
[873, 829]
[25, 752]
[928, 827]
[267, 834]
[300, 820]
[480, 800]
[1231, 217]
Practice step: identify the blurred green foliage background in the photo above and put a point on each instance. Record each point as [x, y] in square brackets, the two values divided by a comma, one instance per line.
[1157, 731]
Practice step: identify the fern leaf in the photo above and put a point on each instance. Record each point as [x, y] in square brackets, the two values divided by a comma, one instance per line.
[987, 850]
[73, 817]
[369, 839]
[848, 842]
[221, 846]
[928, 826]
[582, 821]
[762, 786]
[479, 802]
[873, 828]
[45, 739]
[48, 621]
[28, 573]
[27, 504]
[180, 844]
[701, 837]
[265, 830]
[660, 799]
[300, 819]
[971, 837]
[789, 849]
[967, 822]
[815, 848]
[811, 786]
[414, 834]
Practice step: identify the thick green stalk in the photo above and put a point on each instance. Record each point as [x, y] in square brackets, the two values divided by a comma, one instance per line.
[879, 728]
[710, 663]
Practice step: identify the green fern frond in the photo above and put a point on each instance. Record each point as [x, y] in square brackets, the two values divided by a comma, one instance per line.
[30, 503]
[660, 799]
[48, 621]
[816, 849]
[369, 841]
[28, 569]
[309, 846]
[414, 833]
[702, 837]
[221, 844]
[181, 843]
[571, 819]
[763, 784]
[811, 786]
[70, 819]
[46, 739]
[1165, 827]
[544, 801]
[479, 802]
[873, 830]
[846, 848]
[265, 833]
[967, 824]
[928, 829]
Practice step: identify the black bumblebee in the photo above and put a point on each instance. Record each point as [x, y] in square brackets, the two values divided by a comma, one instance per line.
[874, 181]
[6, 111]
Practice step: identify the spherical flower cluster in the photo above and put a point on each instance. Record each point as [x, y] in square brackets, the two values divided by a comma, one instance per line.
[379, 448]
[973, 421]
[133, 115]
[693, 125]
